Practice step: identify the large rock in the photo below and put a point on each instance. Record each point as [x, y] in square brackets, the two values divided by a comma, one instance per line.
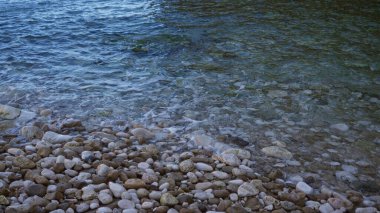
[341, 127]
[36, 189]
[277, 152]
[247, 190]
[186, 166]
[204, 167]
[105, 198]
[8, 112]
[304, 187]
[168, 199]
[88, 193]
[31, 132]
[143, 134]
[230, 159]
[116, 189]
[134, 184]
[345, 176]
[203, 140]
[53, 137]
[366, 210]
[240, 153]
[71, 123]
[23, 162]
[3, 200]
[102, 170]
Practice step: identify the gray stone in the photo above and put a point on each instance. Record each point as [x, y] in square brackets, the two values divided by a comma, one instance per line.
[326, 208]
[15, 151]
[240, 153]
[155, 195]
[102, 170]
[49, 174]
[201, 195]
[350, 169]
[366, 210]
[203, 185]
[83, 207]
[53, 137]
[104, 210]
[345, 176]
[168, 199]
[126, 204]
[105, 198]
[304, 187]
[186, 166]
[142, 134]
[36, 189]
[116, 189]
[277, 152]
[230, 159]
[247, 189]
[143, 165]
[147, 205]
[31, 132]
[8, 112]
[341, 127]
[203, 167]
[88, 193]
[220, 175]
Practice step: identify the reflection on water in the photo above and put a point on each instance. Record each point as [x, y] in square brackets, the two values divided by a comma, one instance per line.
[258, 69]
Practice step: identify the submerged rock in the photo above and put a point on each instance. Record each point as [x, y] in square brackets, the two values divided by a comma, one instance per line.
[230, 159]
[345, 176]
[233, 140]
[53, 137]
[142, 134]
[203, 140]
[278, 152]
[71, 123]
[8, 112]
[341, 127]
[31, 132]
[240, 153]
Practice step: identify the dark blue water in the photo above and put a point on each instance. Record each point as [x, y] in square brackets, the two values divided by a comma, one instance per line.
[262, 70]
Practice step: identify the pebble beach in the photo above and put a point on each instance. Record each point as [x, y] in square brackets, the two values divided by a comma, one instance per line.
[62, 166]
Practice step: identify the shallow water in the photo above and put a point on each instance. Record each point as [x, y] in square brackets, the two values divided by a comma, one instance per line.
[260, 70]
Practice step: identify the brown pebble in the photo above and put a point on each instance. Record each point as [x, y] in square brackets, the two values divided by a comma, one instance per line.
[44, 151]
[279, 211]
[236, 209]
[308, 210]
[253, 203]
[213, 201]
[221, 193]
[223, 205]
[41, 180]
[59, 167]
[161, 209]
[275, 174]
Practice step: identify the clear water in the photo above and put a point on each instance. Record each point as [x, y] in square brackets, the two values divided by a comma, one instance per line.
[256, 69]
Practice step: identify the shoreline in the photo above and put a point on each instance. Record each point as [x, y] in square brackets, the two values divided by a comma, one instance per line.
[66, 168]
